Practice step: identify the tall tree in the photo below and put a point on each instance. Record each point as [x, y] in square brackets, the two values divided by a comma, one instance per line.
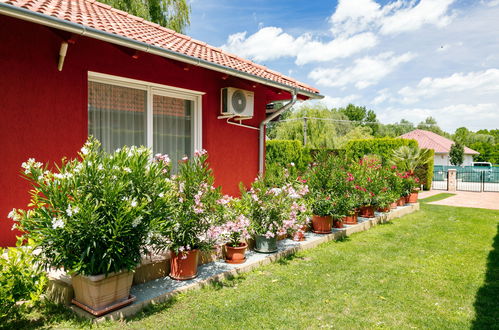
[172, 14]
[317, 127]
[430, 124]
[456, 154]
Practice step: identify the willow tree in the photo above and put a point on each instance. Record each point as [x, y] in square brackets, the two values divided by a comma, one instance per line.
[316, 126]
[172, 14]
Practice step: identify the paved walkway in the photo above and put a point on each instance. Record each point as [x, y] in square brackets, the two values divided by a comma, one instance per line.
[482, 200]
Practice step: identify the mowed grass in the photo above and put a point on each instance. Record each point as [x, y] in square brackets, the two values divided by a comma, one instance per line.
[432, 269]
[437, 197]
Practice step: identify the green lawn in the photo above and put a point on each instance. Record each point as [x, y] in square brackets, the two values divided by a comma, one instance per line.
[437, 197]
[432, 269]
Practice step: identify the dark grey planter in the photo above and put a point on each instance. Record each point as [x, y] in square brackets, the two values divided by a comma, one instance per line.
[265, 245]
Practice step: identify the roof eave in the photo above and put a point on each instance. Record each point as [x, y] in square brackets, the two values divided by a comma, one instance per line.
[46, 20]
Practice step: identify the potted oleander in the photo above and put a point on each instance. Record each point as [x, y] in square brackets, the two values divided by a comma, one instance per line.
[187, 229]
[233, 232]
[91, 217]
[266, 207]
[297, 220]
[322, 207]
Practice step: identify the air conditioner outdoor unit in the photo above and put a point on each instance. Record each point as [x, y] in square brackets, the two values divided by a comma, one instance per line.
[237, 102]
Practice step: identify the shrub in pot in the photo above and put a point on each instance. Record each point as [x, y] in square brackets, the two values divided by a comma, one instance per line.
[233, 232]
[91, 216]
[187, 228]
[322, 207]
[267, 208]
[298, 212]
[410, 187]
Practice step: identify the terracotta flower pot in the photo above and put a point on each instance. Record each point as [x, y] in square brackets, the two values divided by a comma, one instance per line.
[322, 224]
[299, 236]
[235, 254]
[401, 201]
[367, 211]
[393, 205]
[99, 292]
[184, 266]
[337, 223]
[407, 198]
[281, 237]
[350, 219]
[413, 197]
[384, 209]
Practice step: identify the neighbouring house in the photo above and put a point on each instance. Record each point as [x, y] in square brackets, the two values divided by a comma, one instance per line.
[73, 68]
[441, 146]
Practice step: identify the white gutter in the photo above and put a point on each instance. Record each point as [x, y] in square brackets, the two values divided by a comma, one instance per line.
[261, 147]
[54, 22]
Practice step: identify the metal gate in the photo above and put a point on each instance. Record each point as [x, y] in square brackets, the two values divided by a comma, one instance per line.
[439, 181]
[478, 180]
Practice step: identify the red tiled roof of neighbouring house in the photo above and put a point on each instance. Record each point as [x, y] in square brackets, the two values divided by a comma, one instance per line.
[93, 14]
[430, 140]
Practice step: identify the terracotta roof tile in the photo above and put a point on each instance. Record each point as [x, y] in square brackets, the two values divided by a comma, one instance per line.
[103, 17]
[430, 140]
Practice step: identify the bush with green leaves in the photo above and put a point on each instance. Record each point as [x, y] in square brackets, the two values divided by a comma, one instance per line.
[22, 282]
[383, 147]
[274, 211]
[92, 215]
[192, 208]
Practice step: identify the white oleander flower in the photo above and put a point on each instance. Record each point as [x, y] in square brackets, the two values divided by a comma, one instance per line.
[57, 223]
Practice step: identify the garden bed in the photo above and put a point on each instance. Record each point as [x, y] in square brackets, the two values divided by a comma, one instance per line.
[162, 289]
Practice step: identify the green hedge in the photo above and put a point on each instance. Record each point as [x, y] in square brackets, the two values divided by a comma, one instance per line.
[284, 152]
[382, 147]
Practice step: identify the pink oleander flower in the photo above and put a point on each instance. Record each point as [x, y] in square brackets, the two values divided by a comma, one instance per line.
[199, 153]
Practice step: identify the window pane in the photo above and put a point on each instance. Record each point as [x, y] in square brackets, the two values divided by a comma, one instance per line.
[172, 127]
[116, 115]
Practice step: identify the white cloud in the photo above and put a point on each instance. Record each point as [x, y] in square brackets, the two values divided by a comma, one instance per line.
[433, 12]
[316, 51]
[268, 43]
[365, 72]
[478, 83]
[336, 102]
[491, 3]
[473, 116]
[383, 95]
[355, 27]
[271, 43]
[354, 16]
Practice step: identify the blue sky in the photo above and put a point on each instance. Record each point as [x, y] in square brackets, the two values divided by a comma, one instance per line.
[403, 59]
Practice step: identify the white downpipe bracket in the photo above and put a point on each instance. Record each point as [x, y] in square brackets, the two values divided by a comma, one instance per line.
[261, 149]
[62, 55]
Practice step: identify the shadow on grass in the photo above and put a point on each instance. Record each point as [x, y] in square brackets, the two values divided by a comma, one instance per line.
[43, 316]
[285, 260]
[342, 239]
[487, 298]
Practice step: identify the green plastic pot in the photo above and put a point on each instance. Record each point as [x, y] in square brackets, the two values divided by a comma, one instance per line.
[265, 245]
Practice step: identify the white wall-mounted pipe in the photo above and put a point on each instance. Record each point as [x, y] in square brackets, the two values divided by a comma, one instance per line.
[62, 55]
[241, 125]
[261, 146]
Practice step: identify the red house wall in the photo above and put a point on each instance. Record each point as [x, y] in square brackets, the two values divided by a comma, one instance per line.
[44, 111]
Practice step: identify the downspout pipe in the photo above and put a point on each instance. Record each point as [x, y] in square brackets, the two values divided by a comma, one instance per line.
[261, 149]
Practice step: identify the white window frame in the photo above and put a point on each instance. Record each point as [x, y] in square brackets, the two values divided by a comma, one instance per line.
[163, 90]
